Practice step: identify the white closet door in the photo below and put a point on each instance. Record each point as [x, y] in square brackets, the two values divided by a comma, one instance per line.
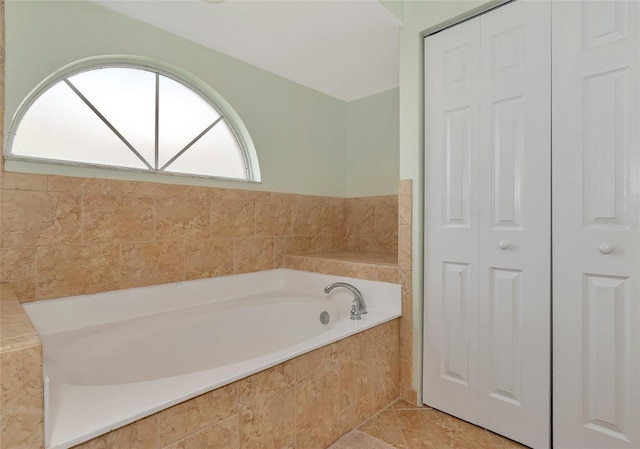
[452, 250]
[596, 224]
[515, 222]
[487, 153]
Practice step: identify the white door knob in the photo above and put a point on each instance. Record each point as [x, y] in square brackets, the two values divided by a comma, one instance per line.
[606, 248]
[504, 245]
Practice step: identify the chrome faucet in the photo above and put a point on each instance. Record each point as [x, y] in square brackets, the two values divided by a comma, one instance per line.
[358, 308]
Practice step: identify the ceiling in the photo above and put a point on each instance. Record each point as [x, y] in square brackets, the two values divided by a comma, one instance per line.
[347, 49]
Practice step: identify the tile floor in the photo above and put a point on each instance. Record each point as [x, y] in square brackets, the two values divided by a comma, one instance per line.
[406, 426]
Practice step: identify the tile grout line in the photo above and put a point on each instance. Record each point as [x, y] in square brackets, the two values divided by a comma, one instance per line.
[238, 418]
[189, 435]
[157, 432]
[394, 412]
[404, 439]
[376, 414]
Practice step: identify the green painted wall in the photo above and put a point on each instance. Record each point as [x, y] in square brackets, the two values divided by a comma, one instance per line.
[300, 134]
[372, 145]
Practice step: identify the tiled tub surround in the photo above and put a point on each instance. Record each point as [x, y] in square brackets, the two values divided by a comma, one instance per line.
[186, 318]
[21, 390]
[63, 236]
[305, 403]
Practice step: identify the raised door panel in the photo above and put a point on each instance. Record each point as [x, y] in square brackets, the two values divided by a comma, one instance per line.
[604, 354]
[605, 97]
[455, 319]
[596, 213]
[504, 351]
[456, 167]
[506, 156]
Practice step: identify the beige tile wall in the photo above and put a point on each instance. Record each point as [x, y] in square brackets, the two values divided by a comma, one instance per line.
[63, 236]
[372, 223]
[21, 399]
[21, 387]
[407, 392]
[305, 403]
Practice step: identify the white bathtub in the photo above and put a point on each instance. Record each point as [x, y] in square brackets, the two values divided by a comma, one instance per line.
[115, 357]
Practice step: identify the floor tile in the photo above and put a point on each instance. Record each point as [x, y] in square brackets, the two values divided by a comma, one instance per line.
[385, 426]
[406, 426]
[505, 443]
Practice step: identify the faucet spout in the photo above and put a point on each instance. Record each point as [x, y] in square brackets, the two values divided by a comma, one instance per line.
[359, 306]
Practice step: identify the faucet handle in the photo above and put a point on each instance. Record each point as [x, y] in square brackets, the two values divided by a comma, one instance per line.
[355, 315]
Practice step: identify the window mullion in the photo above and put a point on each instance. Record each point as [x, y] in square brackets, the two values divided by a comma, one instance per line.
[106, 122]
[157, 120]
[198, 137]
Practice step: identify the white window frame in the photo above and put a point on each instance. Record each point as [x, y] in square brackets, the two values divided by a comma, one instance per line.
[197, 85]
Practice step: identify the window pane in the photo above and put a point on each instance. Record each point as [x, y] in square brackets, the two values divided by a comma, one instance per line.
[183, 115]
[215, 154]
[126, 97]
[60, 126]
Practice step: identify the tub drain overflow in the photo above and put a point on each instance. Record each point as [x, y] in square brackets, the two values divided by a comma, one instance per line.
[324, 317]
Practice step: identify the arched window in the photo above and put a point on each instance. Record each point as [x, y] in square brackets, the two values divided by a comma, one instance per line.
[131, 117]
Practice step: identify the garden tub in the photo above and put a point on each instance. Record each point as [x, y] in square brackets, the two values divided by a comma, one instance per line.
[113, 358]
